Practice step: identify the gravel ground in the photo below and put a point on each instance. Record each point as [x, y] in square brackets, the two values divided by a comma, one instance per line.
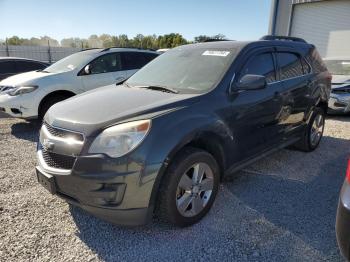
[282, 208]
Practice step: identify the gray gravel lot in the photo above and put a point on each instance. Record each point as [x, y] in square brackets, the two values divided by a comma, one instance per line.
[282, 208]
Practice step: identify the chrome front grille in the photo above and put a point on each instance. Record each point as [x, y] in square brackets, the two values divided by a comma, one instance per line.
[58, 148]
[56, 160]
[62, 133]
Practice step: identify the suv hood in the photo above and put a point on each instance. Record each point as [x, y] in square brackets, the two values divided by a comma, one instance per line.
[24, 78]
[99, 108]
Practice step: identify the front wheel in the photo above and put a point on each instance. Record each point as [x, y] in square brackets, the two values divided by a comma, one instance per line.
[48, 102]
[189, 187]
[313, 132]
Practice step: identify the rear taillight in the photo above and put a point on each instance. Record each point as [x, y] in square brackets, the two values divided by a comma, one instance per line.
[348, 171]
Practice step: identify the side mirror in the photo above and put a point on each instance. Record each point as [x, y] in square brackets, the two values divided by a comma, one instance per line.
[252, 82]
[87, 70]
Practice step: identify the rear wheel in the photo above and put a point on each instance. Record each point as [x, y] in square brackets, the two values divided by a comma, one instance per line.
[313, 132]
[189, 187]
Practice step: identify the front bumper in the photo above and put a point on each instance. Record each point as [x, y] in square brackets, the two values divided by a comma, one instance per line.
[12, 107]
[343, 221]
[339, 103]
[116, 191]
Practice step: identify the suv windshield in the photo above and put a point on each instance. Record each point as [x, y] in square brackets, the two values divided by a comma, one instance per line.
[69, 63]
[186, 69]
[338, 67]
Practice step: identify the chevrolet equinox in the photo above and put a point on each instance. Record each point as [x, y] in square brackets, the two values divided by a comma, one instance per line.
[160, 143]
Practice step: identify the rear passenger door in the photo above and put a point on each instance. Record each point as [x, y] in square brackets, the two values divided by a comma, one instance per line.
[294, 74]
[133, 61]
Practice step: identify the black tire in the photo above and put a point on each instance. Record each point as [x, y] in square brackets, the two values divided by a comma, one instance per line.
[305, 144]
[167, 209]
[48, 102]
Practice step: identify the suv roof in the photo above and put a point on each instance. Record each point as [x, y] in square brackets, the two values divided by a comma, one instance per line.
[267, 40]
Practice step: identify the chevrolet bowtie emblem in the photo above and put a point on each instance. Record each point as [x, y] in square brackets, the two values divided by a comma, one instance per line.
[48, 145]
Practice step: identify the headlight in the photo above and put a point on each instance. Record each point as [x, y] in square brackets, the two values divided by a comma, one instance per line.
[119, 140]
[20, 90]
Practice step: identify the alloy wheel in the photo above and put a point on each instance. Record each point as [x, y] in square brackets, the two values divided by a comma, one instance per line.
[194, 189]
[316, 130]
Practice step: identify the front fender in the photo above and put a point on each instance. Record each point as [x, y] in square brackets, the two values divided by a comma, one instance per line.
[171, 136]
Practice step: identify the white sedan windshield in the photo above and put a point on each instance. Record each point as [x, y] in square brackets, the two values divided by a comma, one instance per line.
[69, 63]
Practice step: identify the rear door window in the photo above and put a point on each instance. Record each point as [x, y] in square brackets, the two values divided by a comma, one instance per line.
[261, 64]
[133, 60]
[149, 57]
[290, 65]
[7, 67]
[25, 66]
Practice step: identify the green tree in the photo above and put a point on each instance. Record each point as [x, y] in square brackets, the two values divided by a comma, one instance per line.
[105, 40]
[15, 40]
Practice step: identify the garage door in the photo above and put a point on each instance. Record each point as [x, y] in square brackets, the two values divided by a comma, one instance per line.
[325, 24]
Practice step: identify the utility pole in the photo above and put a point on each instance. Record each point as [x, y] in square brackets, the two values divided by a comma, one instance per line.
[49, 51]
[7, 48]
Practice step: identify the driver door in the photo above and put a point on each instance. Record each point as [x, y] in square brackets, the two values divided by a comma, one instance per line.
[256, 113]
[104, 70]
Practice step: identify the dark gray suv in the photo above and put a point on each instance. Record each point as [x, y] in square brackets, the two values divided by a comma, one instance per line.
[160, 143]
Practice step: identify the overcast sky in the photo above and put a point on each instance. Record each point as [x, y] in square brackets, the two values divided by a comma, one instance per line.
[237, 19]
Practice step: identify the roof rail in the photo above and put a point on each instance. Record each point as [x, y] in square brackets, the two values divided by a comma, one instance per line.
[215, 40]
[283, 38]
[86, 49]
[138, 48]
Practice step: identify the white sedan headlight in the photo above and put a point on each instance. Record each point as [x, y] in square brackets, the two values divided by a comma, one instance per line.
[119, 140]
[20, 90]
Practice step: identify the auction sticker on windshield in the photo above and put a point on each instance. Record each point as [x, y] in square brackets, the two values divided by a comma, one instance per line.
[216, 53]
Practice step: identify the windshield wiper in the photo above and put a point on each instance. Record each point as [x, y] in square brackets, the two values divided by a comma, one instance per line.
[126, 84]
[160, 88]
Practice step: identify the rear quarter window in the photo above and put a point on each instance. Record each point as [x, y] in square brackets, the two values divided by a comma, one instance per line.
[315, 60]
[306, 66]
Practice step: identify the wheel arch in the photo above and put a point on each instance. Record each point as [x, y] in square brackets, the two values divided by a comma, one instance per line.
[65, 93]
[207, 141]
